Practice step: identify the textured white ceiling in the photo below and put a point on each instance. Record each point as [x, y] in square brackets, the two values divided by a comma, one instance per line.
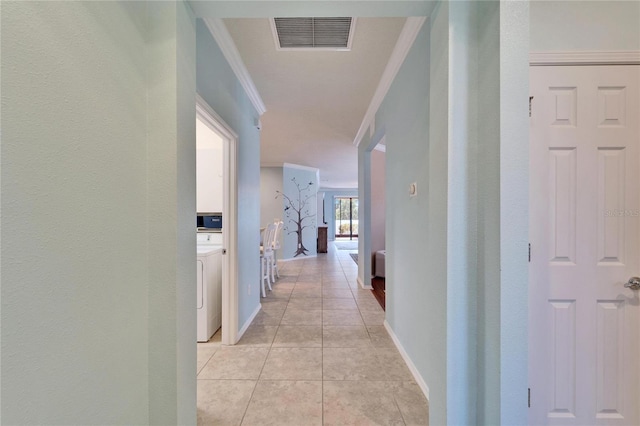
[315, 100]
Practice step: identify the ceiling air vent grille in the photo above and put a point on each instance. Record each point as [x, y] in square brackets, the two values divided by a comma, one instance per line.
[313, 33]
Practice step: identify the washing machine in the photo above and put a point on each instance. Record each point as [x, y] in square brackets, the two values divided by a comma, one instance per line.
[209, 288]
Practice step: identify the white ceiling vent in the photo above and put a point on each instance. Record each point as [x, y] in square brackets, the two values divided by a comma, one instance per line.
[313, 33]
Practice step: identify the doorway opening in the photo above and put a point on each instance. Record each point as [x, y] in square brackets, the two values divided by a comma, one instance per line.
[228, 296]
[346, 215]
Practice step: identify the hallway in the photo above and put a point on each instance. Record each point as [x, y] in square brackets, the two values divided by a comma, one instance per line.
[317, 353]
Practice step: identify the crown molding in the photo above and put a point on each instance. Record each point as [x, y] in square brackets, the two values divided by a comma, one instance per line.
[584, 58]
[207, 114]
[403, 45]
[221, 35]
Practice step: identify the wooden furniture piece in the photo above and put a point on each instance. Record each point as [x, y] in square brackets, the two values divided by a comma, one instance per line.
[322, 239]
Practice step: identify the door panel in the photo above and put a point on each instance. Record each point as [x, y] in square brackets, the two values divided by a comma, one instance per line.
[585, 245]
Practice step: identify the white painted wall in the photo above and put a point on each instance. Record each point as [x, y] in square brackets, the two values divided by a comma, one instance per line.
[364, 211]
[98, 191]
[271, 207]
[378, 205]
[320, 209]
[584, 25]
[209, 170]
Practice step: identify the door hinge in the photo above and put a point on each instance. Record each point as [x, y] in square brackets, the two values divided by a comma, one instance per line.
[529, 252]
[529, 397]
[530, 99]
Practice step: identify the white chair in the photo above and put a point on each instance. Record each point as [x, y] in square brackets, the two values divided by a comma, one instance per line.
[276, 246]
[266, 258]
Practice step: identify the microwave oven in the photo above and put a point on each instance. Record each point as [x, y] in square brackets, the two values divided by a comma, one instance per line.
[209, 221]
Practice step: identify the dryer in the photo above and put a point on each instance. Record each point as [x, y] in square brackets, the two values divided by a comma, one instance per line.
[208, 290]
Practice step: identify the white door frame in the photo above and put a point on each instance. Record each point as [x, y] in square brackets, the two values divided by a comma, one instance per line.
[583, 58]
[230, 220]
[377, 142]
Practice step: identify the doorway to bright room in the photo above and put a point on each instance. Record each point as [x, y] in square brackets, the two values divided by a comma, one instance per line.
[216, 202]
[346, 216]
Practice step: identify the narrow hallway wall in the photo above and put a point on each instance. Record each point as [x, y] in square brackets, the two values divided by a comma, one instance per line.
[220, 88]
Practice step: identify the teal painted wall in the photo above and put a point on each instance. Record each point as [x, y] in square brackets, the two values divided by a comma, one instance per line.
[488, 224]
[300, 189]
[567, 26]
[220, 88]
[98, 197]
[514, 210]
[449, 126]
[415, 121]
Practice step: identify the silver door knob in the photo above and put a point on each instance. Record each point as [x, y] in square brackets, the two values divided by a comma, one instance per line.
[633, 284]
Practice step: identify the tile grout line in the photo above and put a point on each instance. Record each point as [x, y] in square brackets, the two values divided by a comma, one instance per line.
[262, 369]
[322, 351]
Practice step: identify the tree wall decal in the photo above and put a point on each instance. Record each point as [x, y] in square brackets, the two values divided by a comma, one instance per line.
[297, 214]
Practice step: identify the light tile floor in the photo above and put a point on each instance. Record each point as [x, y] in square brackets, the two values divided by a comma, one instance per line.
[317, 354]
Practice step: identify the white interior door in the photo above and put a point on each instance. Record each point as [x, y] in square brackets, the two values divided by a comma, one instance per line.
[585, 239]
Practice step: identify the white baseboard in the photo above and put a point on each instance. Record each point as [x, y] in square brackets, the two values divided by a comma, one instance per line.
[366, 287]
[248, 322]
[416, 375]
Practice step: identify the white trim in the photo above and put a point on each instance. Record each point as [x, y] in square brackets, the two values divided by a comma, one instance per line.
[274, 33]
[276, 40]
[296, 166]
[372, 127]
[381, 144]
[207, 115]
[352, 31]
[359, 281]
[230, 51]
[416, 375]
[403, 45]
[212, 119]
[585, 58]
[248, 323]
